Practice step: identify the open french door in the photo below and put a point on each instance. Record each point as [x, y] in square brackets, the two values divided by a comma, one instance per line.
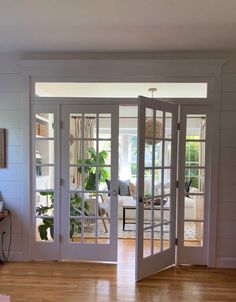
[156, 194]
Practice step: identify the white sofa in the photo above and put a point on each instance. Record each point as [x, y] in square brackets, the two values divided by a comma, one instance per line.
[191, 210]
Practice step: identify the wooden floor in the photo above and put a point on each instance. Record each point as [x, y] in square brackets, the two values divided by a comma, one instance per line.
[74, 281]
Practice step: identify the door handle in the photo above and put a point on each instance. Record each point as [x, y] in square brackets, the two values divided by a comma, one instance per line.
[140, 199]
[114, 193]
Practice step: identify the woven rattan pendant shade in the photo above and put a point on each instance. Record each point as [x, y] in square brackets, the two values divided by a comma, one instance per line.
[149, 130]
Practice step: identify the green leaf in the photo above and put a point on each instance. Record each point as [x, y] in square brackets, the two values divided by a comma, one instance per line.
[43, 231]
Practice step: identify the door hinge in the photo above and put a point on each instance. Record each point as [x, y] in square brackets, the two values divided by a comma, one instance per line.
[61, 124]
[60, 238]
[178, 126]
[52, 125]
[177, 184]
[176, 241]
[61, 182]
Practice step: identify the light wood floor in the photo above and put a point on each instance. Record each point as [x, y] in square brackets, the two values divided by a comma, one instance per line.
[74, 281]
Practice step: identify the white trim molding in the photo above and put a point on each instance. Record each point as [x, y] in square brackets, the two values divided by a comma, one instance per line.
[226, 262]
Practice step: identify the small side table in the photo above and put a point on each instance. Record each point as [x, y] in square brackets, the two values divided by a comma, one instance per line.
[3, 215]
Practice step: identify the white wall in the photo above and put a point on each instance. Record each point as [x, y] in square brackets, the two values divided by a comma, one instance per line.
[13, 179]
[14, 116]
[226, 227]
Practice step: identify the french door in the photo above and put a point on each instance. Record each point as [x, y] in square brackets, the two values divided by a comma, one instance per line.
[194, 185]
[90, 179]
[75, 163]
[157, 149]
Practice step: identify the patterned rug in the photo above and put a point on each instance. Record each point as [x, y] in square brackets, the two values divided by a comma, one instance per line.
[130, 231]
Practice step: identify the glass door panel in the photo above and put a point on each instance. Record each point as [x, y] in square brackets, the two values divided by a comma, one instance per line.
[156, 186]
[45, 182]
[193, 193]
[89, 148]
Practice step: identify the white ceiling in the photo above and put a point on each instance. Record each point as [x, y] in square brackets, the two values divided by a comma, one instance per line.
[116, 25]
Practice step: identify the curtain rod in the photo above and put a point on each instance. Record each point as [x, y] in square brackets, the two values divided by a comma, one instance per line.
[86, 117]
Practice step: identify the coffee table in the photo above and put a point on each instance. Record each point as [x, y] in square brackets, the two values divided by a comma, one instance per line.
[131, 205]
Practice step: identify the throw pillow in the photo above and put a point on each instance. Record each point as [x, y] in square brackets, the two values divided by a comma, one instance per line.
[124, 188]
[132, 189]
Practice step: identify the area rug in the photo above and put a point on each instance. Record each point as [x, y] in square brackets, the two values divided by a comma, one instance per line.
[130, 231]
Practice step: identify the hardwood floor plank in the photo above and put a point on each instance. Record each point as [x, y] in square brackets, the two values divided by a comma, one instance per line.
[81, 281]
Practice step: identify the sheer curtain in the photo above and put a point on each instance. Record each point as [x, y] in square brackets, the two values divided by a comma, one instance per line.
[77, 145]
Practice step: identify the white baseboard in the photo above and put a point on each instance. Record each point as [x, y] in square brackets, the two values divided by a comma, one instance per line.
[227, 262]
[16, 256]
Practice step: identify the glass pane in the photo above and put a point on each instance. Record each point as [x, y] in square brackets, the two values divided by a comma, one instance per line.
[159, 124]
[76, 178]
[44, 150]
[45, 177]
[195, 154]
[75, 152]
[103, 231]
[128, 111]
[89, 225]
[90, 178]
[104, 178]
[166, 236]
[148, 154]
[167, 181]
[156, 241]
[76, 127]
[158, 154]
[193, 234]
[104, 150]
[157, 182]
[194, 207]
[90, 125]
[90, 153]
[148, 183]
[104, 125]
[195, 180]
[167, 154]
[196, 126]
[44, 203]
[44, 229]
[147, 217]
[44, 124]
[157, 211]
[75, 230]
[90, 204]
[76, 204]
[149, 118]
[168, 125]
[147, 243]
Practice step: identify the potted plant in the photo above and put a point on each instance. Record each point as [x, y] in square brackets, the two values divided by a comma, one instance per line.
[48, 222]
[75, 199]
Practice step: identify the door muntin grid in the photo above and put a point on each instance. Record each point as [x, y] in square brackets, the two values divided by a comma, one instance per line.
[90, 172]
[44, 171]
[195, 179]
[157, 181]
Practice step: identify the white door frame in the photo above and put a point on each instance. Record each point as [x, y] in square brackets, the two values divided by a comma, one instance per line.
[36, 252]
[187, 254]
[127, 69]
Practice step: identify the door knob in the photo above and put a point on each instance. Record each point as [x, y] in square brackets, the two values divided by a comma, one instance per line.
[114, 193]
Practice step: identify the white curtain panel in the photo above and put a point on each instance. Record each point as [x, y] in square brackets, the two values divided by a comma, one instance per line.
[88, 123]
